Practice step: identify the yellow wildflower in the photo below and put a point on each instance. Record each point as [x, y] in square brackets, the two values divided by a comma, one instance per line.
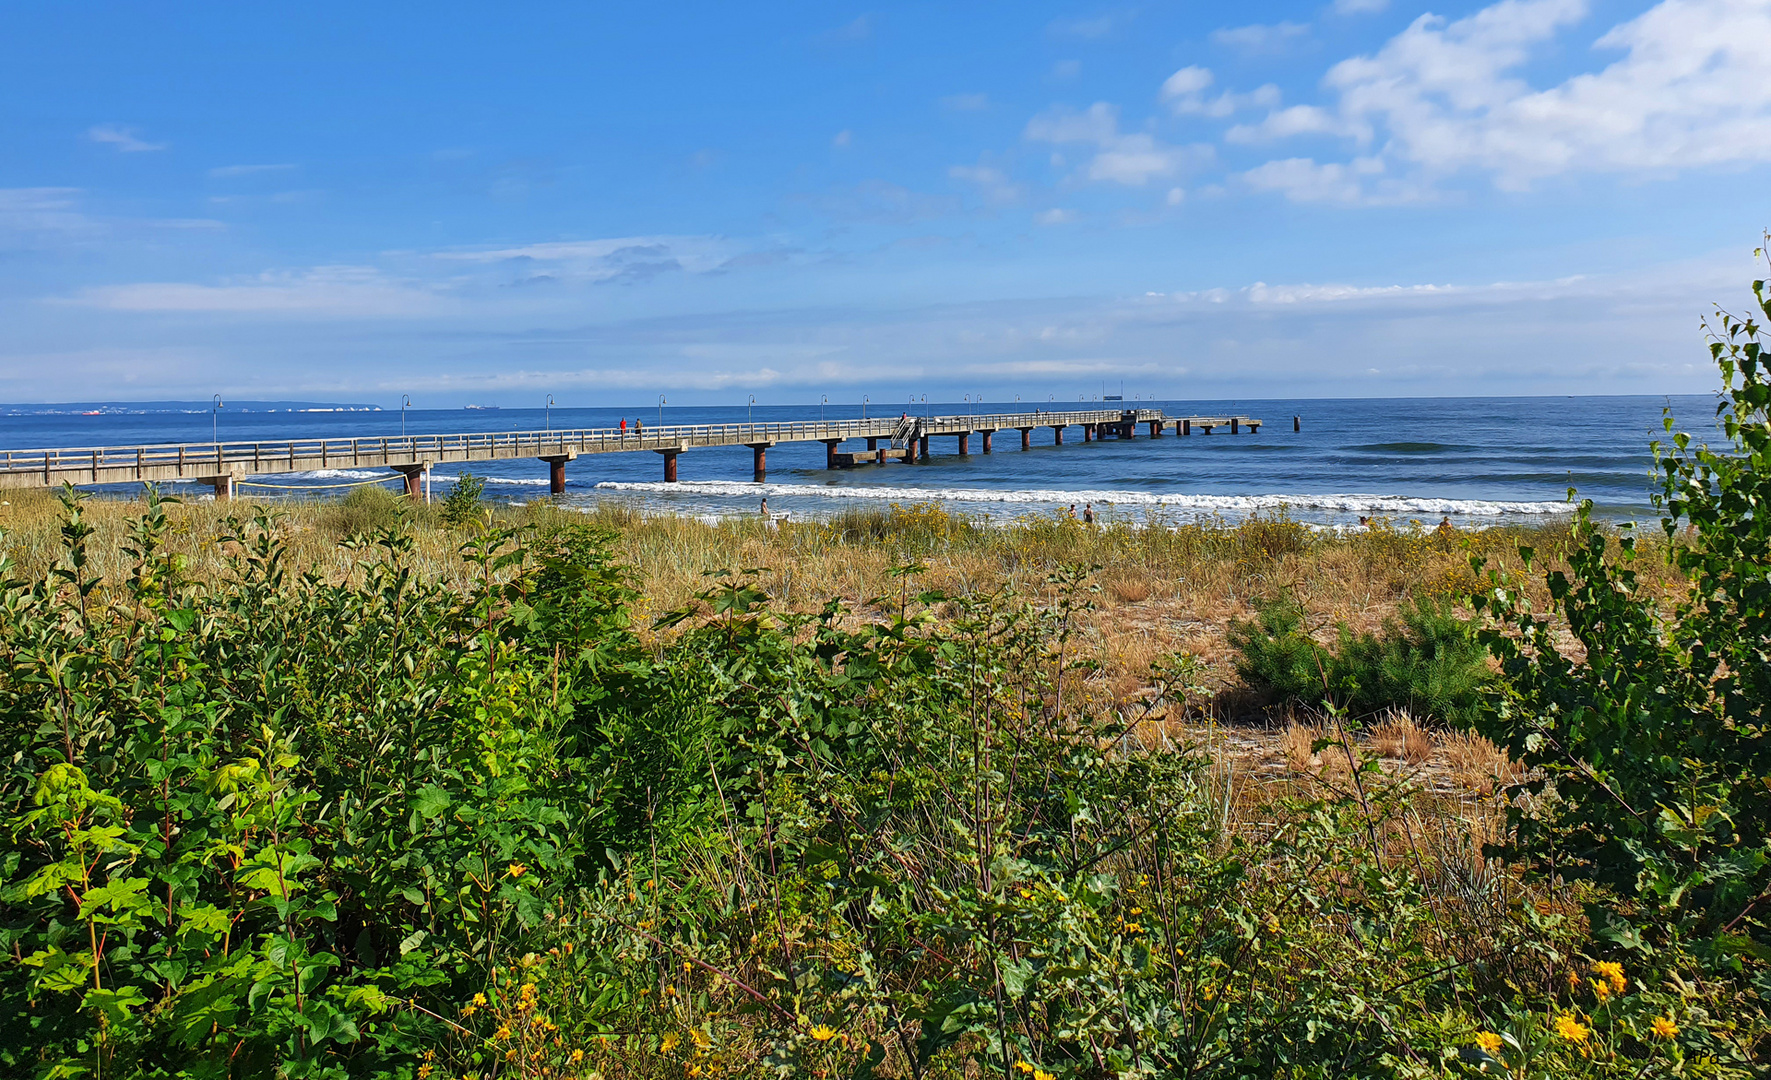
[1571, 1029]
[1041, 1074]
[528, 990]
[425, 1070]
[1025, 895]
[688, 966]
[503, 1032]
[699, 1038]
[1664, 1027]
[668, 1043]
[1489, 1042]
[1023, 1066]
[1601, 989]
[823, 1033]
[1611, 972]
[1573, 978]
[577, 1056]
[469, 1009]
[516, 869]
[479, 999]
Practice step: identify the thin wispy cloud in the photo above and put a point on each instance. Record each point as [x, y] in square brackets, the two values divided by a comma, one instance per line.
[124, 139]
[1129, 158]
[966, 102]
[227, 172]
[1261, 38]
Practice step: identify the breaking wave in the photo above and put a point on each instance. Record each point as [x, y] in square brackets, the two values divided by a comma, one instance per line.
[1207, 504]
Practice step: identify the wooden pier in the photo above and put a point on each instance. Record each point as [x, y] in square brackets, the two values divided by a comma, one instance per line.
[899, 439]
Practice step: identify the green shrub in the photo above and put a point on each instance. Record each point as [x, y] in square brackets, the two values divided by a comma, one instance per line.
[1651, 754]
[1429, 661]
[462, 505]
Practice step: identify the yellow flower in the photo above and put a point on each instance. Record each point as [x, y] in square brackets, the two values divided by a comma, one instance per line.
[668, 1043]
[577, 1056]
[503, 1032]
[1601, 989]
[1023, 1066]
[479, 999]
[699, 1038]
[1571, 1029]
[1664, 1027]
[425, 1070]
[1611, 972]
[516, 869]
[823, 1033]
[688, 966]
[528, 991]
[1025, 895]
[1041, 1074]
[469, 1009]
[1489, 1042]
[1573, 978]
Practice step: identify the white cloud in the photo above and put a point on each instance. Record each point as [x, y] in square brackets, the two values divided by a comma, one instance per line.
[123, 138]
[1176, 196]
[842, 138]
[991, 182]
[1130, 158]
[226, 172]
[1260, 38]
[1299, 120]
[1054, 216]
[1359, 7]
[326, 291]
[1065, 70]
[1692, 89]
[42, 210]
[605, 259]
[1306, 180]
[1184, 93]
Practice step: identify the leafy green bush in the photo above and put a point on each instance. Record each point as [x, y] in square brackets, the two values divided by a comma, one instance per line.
[366, 509]
[1428, 661]
[1650, 753]
[462, 505]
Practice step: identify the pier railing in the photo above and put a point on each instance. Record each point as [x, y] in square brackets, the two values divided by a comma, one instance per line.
[206, 461]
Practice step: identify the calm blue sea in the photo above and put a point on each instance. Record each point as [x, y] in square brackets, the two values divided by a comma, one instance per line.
[1478, 460]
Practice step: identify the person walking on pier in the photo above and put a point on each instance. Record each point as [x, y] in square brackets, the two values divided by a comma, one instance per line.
[624, 425]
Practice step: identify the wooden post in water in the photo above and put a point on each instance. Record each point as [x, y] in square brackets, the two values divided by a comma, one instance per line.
[1057, 434]
[1235, 424]
[669, 463]
[759, 461]
[830, 446]
[1186, 427]
[556, 474]
[1297, 423]
[1088, 432]
[986, 437]
[965, 442]
[1026, 438]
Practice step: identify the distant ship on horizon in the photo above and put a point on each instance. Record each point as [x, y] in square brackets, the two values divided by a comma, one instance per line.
[487, 408]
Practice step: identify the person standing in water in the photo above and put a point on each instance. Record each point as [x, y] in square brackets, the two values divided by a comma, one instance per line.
[765, 508]
[1088, 513]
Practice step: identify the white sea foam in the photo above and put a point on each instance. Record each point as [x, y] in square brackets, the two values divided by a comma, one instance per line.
[515, 481]
[338, 474]
[1230, 505]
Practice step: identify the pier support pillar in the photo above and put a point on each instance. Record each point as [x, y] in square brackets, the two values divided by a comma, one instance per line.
[1156, 429]
[1186, 427]
[925, 447]
[1026, 438]
[965, 442]
[414, 475]
[224, 485]
[1088, 433]
[985, 435]
[670, 454]
[1057, 435]
[556, 473]
[759, 460]
[830, 446]
[1235, 425]
[872, 445]
[910, 451]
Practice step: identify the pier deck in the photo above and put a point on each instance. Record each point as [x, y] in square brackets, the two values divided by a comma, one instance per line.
[223, 463]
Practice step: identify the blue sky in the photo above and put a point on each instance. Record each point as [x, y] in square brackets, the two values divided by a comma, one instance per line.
[1351, 198]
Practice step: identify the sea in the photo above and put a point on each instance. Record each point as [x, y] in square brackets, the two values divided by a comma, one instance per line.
[1478, 461]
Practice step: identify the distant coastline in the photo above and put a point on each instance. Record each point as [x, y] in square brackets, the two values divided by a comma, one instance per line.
[145, 408]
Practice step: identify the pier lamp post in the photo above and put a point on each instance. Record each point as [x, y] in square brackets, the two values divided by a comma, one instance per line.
[823, 400]
[925, 406]
[549, 420]
[405, 403]
[215, 421]
[863, 406]
[966, 400]
[751, 405]
[661, 410]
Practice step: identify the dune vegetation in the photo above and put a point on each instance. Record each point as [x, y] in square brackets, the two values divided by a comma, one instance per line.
[365, 789]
